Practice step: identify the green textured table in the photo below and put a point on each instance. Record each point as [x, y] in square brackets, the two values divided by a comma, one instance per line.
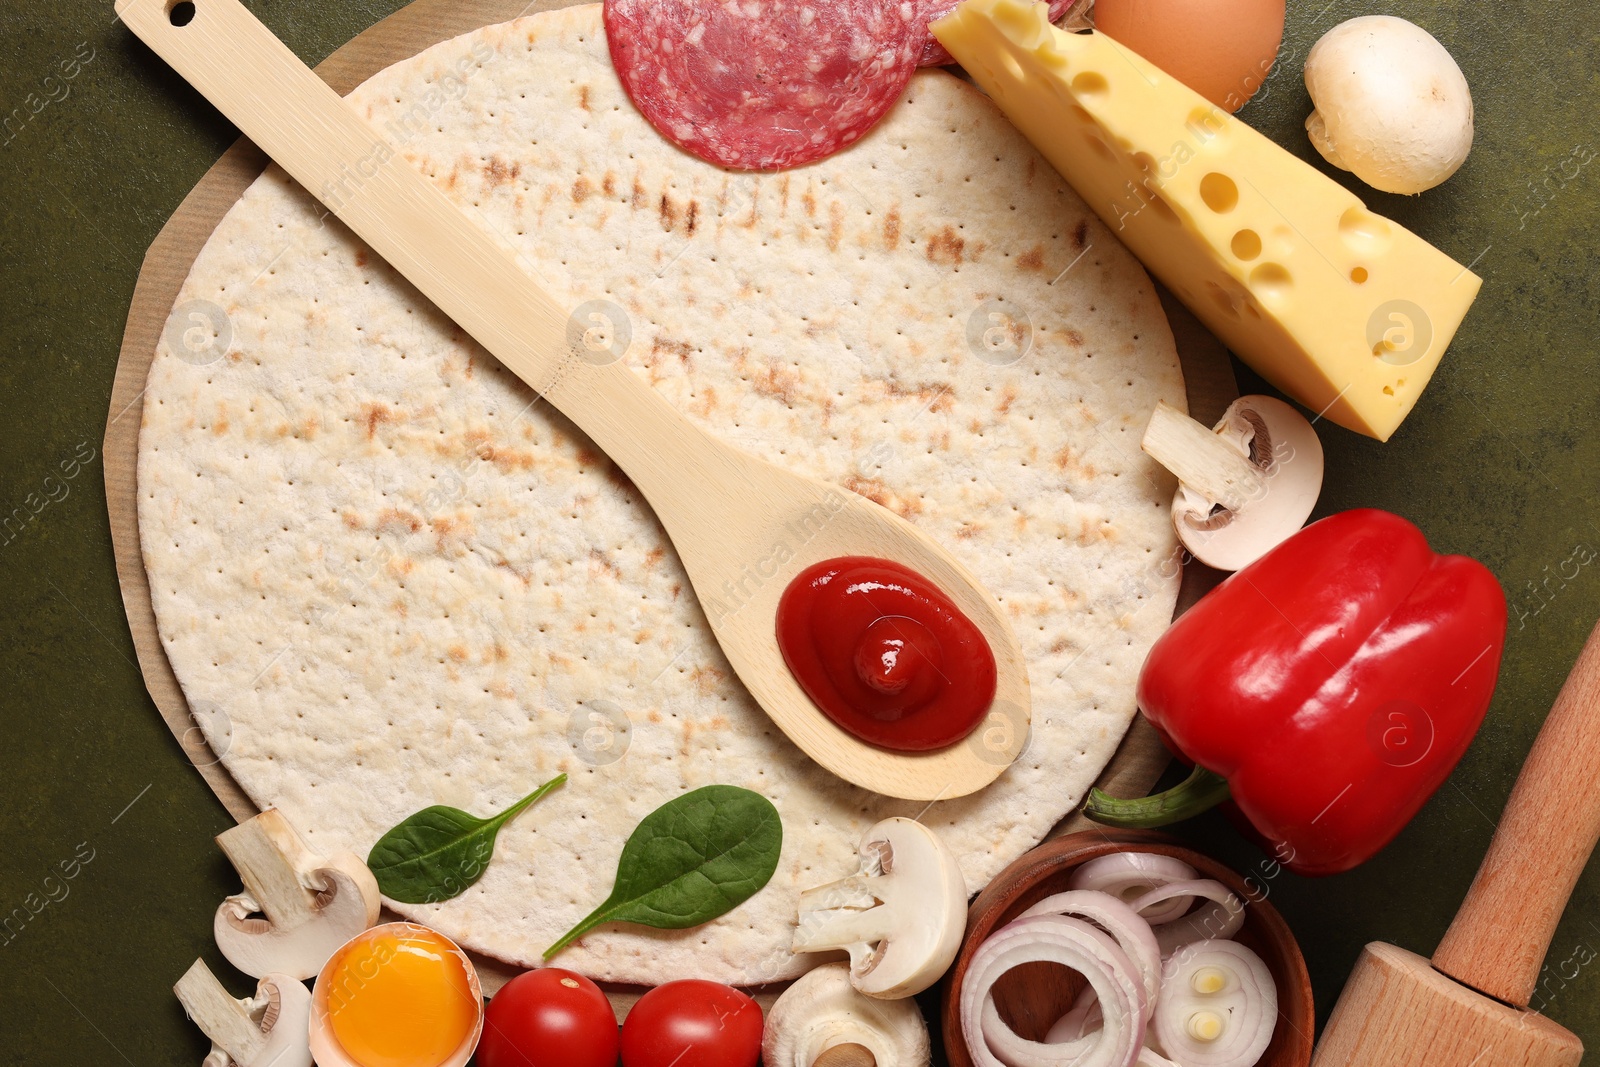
[105, 833]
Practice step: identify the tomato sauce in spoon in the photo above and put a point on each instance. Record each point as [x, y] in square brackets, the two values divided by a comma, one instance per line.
[884, 654]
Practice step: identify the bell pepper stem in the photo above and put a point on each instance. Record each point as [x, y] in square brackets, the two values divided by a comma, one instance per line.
[1199, 792]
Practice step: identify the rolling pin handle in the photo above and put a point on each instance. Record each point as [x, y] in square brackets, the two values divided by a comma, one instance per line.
[1499, 938]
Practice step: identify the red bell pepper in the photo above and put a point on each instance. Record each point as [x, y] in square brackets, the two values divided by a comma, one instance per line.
[1328, 688]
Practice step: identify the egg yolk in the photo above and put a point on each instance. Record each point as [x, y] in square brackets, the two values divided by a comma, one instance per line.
[401, 1000]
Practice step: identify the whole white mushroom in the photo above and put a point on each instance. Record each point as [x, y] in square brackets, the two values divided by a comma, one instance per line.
[1391, 105]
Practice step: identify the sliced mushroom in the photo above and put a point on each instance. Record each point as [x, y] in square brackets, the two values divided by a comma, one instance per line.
[900, 917]
[822, 1021]
[268, 1030]
[1245, 485]
[296, 908]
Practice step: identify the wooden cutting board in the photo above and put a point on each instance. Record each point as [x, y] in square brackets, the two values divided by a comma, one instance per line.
[1208, 375]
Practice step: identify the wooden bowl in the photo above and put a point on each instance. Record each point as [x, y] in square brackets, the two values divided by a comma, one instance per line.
[1031, 1002]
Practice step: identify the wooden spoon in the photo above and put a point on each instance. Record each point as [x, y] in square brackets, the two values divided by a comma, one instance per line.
[743, 527]
[1468, 1006]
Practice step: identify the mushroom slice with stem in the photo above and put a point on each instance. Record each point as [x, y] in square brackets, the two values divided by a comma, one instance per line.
[900, 917]
[1244, 486]
[269, 1029]
[296, 908]
[822, 1021]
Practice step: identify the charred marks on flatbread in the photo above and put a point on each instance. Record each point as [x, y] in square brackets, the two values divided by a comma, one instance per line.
[907, 507]
[891, 229]
[1032, 259]
[396, 522]
[945, 247]
[374, 415]
[663, 349]
[450, 533]
[505, 458]
[935, 397]
[522, 576]
[1075, 465]
[591, 459]
[581, 188]
[600, 563]
[1080, 234]
[497, 172]
[835, 225]
[707, 680]
[778, 381]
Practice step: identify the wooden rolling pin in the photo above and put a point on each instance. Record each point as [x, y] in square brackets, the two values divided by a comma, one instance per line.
[1468, 1006]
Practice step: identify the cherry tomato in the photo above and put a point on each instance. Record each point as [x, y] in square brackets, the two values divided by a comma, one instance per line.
[692, 1023]
[549, 1018]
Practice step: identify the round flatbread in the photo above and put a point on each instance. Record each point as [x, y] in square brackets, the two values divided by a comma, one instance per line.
[763, 84]
[388, 576]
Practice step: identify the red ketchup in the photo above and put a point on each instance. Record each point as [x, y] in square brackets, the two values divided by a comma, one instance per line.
[885, 654]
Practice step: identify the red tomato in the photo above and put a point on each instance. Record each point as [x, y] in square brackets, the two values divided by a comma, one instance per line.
[549, 1018]
[692, 1023]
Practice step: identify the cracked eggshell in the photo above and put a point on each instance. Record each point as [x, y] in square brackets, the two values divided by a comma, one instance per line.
[324, 1043]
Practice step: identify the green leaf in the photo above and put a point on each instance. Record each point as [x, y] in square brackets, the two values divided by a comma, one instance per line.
[691, 860]
[438, 852]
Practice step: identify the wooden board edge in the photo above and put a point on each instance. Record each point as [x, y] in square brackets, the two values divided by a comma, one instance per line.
[1139, 759]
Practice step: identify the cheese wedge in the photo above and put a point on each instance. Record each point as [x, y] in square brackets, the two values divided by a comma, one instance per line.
[1345, 311]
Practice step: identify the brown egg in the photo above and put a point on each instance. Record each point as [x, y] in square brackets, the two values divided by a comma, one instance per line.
[1222, 49]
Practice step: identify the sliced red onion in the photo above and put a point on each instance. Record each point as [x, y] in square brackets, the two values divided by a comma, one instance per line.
[1072, 943]
[1081, 1020]
[1130, 875]
[1219, 920]
[1131, 931]
[1218, 1006]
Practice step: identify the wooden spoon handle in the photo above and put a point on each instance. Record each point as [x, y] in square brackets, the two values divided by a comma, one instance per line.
[458, 262]
[326, 146]
[1499, 938]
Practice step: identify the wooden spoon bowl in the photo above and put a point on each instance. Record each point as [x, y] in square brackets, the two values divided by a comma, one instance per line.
[1032, 997]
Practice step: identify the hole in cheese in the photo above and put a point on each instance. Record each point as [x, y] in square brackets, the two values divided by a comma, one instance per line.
[1247, 244]
[1090, 83]
[1271, 280]
[1365, 232]
[1225, 301]
[1219, 192]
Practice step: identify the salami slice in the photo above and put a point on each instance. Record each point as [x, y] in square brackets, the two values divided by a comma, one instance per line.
[763, 84]
[933, 53]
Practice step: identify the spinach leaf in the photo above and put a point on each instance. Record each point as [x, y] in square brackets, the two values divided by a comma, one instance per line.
[691, 860]
[438, 852]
